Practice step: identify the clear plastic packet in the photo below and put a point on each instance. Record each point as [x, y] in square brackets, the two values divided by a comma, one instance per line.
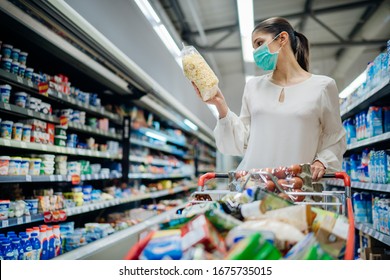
[197, 70]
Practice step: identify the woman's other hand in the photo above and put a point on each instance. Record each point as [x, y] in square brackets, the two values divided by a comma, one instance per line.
[317, 170]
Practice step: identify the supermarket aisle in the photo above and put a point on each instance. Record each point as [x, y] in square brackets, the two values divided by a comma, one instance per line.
[103, 138]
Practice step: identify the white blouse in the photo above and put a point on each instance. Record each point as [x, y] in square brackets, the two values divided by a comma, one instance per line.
[305, 127]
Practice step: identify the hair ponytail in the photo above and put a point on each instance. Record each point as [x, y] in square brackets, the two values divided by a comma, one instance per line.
[302, 50]
[298, 41]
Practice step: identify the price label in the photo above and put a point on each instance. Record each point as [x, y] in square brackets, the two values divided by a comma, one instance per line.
[51, 118]
[44, 147]
[30, 113]
[88, 177]
[19, 79]
[7, 106]
[4, 223]
[63, 150]
[89, 152]
[52, 178]
[28, 178]
[58, 149]
[30, 83]
[19, 220]
[59, 94]
[28, 219]
[42, 116]
[7, 143]
[23, 145]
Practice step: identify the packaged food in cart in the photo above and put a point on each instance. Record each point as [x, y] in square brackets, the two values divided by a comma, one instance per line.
[199, 72]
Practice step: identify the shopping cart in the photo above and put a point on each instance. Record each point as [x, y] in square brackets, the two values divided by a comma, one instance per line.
[343, 203]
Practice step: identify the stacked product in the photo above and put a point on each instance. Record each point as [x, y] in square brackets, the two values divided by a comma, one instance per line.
[14, 60]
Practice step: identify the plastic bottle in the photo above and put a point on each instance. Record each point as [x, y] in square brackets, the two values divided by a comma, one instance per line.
[29, 231]
[2, 237]
[11, 234]
[8, 252]
[57, 240]
[363, 124]
[50, 242]
[27, 247]
[36, 230]
[358, 128]
[36, 246]
[371, 167]
[44, 244]
[18, 249]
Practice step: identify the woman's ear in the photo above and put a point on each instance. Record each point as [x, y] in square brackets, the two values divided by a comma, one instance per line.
[283, 37]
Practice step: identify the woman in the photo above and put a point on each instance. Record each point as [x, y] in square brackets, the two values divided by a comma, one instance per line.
[288, 116]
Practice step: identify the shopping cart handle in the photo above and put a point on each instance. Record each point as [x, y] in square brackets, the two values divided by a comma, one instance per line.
[340, 175]
[208, 176]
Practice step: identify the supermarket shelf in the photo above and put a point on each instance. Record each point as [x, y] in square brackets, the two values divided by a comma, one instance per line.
[28, 85]
[56, 149]
[21, 220]
[94, 131]
[365, 101]
[157, 176]
[155, 147]
[369, 229]
[158, 162]
[369, 141]
[170, 139]
[54, 178]
[117, 244]
[362, 186]
[16, 110]
[207, 160]
[96, 206]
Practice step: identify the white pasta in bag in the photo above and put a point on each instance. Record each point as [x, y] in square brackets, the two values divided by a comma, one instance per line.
[198, 71]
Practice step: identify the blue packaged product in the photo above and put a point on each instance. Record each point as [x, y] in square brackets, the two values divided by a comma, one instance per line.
[18, 249]
[8, 252]
[388, 166]
[355, 162]
[164, 245]
[27, 247]
[358, 127]
[386, 119]
[368, 199]
[36, 246]
[372, 167]
[378, 167]
[359, 208]
[385, 65]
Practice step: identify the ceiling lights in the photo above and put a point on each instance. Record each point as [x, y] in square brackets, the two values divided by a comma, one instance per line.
[354, 85]
[246, 22]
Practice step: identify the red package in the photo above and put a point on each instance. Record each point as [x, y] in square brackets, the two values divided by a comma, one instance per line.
[50, 129]
[200, 231]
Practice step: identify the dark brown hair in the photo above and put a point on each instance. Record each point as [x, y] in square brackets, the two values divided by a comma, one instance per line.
[298, 41]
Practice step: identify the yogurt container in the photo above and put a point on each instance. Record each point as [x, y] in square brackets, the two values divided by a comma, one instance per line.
[20, 99]
[6, 50]
[6, 129]
[23, 58]
[14, 166]
[60, 131]
[28, 73]
[17, 131]
[26, 135]
[34, 103]
[5, 91]
[47, 171]
[35, 166]
[67, 112]
[36, 78]
[47, 164]
[32, 205]
[22, 70]
[24, 166]
[60, 141]
[48, 157]
[15, 54]
[45, 108]
[4, 165]
[6, 64]
[4, 208]
[15, 67]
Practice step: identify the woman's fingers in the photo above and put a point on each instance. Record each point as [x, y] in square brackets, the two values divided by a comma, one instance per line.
[317, 170]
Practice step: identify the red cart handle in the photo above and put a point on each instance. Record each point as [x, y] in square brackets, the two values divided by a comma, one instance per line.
[208, 176]
[340, 175]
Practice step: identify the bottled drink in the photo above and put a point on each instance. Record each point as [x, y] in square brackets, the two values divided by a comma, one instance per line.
[2, 237]
[50, 243]
[8, 252]
[36, 230]
[27, 247]
[57, 240]
[18, 249]
[44, 244]
[36, 246]
[29, 231]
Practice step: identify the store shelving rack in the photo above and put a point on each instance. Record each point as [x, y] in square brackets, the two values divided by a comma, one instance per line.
[112, 76]
[381, 91]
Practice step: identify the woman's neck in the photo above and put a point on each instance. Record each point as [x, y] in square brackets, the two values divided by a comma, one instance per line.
[288, 71]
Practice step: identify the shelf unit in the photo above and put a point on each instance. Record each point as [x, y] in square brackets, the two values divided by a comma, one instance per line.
[96, 206]
[369, 229]
[165, 149]
[151, 161]
[151, 176]
[55, 178]
[116, 245]
[56, 149]
[361, 186]
[369, 141]
[169, 138]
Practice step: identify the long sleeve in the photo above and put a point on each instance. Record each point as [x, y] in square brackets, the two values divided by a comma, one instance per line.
[332, 144]
[232, 132]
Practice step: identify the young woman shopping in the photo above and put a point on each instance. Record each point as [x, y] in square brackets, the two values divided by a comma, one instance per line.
[288, 116]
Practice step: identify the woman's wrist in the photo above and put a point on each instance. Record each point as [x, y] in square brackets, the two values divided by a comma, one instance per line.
[223, 109]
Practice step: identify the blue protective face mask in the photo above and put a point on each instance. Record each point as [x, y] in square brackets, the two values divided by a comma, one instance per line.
[264, 59]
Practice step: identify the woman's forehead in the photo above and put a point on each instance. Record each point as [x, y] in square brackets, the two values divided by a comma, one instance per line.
[260, 35]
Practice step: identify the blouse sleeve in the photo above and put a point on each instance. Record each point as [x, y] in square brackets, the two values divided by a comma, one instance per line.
[232, 132]
[332, 144]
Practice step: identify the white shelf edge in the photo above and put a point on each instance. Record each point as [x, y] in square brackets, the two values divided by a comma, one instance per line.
[369, 141]
[368, 229]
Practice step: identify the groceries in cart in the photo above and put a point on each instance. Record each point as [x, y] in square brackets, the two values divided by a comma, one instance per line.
[252, 224]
